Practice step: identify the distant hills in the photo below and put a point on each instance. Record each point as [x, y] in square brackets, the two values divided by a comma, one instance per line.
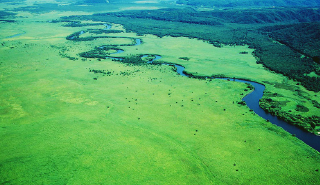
[105, 1]
[251, 3]
[205, 3]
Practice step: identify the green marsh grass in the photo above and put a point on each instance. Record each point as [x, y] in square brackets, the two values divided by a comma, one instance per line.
[140, 125]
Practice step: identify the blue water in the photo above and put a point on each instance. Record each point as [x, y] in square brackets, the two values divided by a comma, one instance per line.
[108, 26]
[180, 70]
[138, 42]
[117, 52]
[16, 35]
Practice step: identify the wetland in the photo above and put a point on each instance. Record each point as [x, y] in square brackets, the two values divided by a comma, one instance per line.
[93, 103]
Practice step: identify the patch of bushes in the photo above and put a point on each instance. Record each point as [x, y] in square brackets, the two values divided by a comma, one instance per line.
[301, 108]
[5, 20]
[242, 103]
[104, 72]
[316, 104]
[64, 55]
[98, 52]
[133, 59]
[243, 52]
[184, 58]
[74, 36]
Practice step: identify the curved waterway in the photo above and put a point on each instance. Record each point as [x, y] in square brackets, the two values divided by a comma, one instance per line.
[252, 101]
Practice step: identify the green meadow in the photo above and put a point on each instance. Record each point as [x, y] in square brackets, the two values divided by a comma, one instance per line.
[206, 60]
[61, 123]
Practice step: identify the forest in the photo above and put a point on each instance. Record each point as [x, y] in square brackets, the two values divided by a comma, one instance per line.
[302, 37]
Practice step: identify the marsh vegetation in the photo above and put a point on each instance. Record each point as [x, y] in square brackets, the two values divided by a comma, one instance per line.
[72, 112]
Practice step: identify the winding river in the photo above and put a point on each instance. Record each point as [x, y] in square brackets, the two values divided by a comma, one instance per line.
[252, 100]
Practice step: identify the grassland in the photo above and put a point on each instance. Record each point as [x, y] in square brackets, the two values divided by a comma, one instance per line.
[138, 124]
